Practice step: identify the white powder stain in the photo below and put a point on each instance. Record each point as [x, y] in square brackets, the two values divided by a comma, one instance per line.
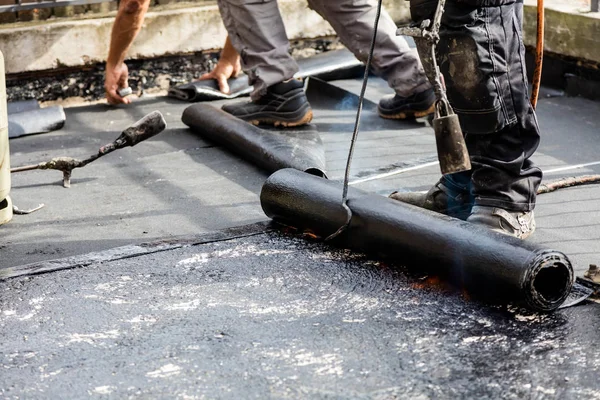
[37, 302]
[142, 319]
[325, 364]
[544, 390]
[103, 287]
[104, 389]
[485, 322]
[195, 259]
[190, 305]
[28, 316]
[165, 371]
[238, 251]
[120, 301]
[91, 338]
[113, 286]
[354, 321]
[53, 373]
[9, 313]
[329, 364]
[484, 338]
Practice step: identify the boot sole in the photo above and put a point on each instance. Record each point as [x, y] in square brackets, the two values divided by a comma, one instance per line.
[305, 119]
[408, 114]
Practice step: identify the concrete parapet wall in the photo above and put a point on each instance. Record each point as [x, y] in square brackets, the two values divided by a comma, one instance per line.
[175, 29]
[570, 30]
[50, 44]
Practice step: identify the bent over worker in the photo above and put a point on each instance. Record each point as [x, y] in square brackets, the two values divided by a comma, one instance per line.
[482, 57]
[257, 32]
[127, 25]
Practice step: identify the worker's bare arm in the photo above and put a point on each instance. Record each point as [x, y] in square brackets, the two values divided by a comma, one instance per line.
[229, 66]
[127, 25]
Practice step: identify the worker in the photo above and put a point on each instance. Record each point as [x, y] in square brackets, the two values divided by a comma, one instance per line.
[482, 57]
[256, 32]
[127, 25]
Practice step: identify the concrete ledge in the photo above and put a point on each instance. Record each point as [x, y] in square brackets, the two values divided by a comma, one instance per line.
[48, 44]
[174, 30]
[569, 30]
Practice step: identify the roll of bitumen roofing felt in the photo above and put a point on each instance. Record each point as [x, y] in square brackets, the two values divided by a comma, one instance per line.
[22, 106]
[336, 64]
[497, 266]
[35, 121]
[300, 148]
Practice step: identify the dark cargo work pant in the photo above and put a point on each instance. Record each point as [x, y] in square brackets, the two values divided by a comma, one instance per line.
[482, 58]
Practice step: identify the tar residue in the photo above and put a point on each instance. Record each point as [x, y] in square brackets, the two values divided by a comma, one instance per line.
[275, 316]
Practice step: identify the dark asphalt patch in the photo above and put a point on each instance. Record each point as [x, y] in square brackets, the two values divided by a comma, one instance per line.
[275, 316]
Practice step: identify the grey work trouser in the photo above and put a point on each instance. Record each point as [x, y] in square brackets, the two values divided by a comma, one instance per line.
[482, 58]
[256, 30]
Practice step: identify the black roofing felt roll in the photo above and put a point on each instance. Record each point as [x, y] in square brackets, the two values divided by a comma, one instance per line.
[475, 258]
[336, 64]
[300, 148]
[35, 121]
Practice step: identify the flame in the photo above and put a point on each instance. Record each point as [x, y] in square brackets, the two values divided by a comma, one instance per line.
[435, 283]
[310, 235]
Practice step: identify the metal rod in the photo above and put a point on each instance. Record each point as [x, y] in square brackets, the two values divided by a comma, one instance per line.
[357, 127]
[25, 168]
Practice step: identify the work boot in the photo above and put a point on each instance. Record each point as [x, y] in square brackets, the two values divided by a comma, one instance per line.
[520, 224]
[284, 104]
[440, 199]
[415, 106]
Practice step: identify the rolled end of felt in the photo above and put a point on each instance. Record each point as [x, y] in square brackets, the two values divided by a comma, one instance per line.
[549, 281]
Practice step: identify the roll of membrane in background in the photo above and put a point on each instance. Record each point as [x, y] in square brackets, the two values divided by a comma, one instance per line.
[300, 148]
[34, 121]
[5, 203]
[496, 266]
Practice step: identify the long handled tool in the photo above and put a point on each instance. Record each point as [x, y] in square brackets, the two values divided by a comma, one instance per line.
[539, 54]
[151, 125]
[452, 150]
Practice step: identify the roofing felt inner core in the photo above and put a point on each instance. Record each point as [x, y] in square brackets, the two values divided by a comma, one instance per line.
[552, 282]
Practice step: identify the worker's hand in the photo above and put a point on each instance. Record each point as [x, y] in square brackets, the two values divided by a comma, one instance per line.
[227, 67]
[115, 79]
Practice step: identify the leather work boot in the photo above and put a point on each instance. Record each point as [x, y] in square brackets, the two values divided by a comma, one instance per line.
[285, 104]
[439, 199]
[398, 107]
[514, 223]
